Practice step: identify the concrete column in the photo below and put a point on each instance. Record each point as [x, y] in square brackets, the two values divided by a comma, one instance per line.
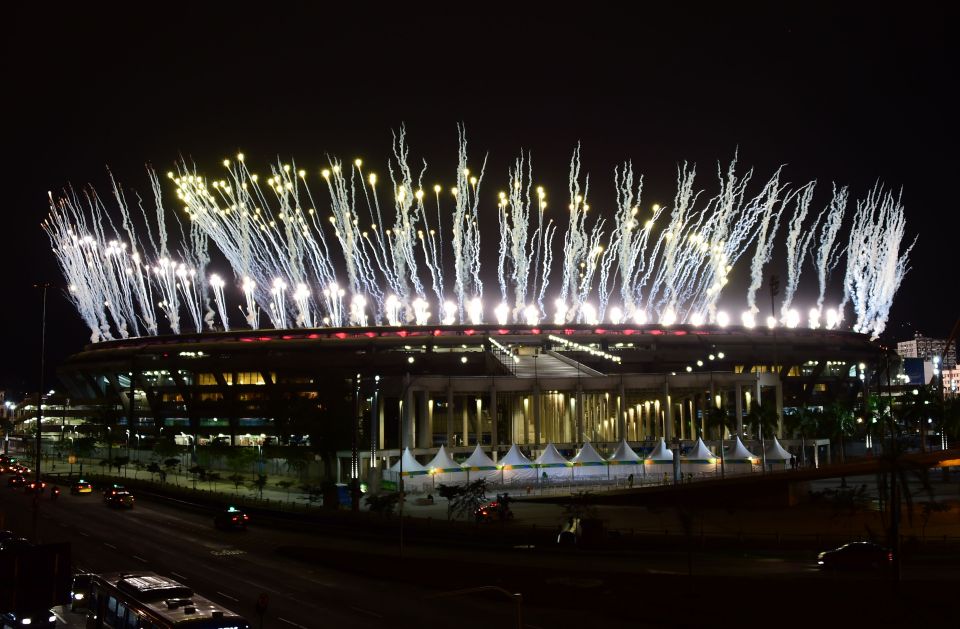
[667, 406]
[466, 421]
[692, 401]
[621, 412]
[376, 428]
[579, 413]
[536, 414]
[739, 405]
[779, 394]
[380, 414]
[407, 420]
[424, 433]
[683, 427]
[494, 435]
[450, 416]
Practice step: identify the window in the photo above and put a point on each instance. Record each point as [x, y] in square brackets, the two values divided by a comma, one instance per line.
[249, 377]
[206, 379]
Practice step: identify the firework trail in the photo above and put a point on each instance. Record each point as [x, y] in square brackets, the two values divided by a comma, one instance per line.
[278, 238]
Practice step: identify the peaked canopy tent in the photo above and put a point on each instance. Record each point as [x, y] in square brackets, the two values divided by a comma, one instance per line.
[589, 464]
[624, 461]
[415, 476]
[552, 464]
[660, 461]
[515, 467]
[776, 455]
[478, 465]
[700, 460]
[739, 460]
[444, 469]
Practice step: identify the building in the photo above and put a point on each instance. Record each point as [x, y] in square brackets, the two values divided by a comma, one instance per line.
[422, 387]
[927, 348]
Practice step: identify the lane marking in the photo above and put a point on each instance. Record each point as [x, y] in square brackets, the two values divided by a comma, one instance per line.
[235, 600]
[179, 576]
[290, 622]
[108, 545]
[366, 611]
[84, 534]
[138, 558]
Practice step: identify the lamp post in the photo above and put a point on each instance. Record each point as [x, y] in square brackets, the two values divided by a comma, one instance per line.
[43, 340]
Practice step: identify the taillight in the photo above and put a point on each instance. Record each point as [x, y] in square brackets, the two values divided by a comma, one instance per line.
[889, 556]
[234, 518]
[246, 517]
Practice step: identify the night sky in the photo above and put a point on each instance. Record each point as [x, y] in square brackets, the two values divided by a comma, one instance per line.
[852, 96]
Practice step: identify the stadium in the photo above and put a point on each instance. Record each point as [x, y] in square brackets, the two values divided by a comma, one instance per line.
[459, 386]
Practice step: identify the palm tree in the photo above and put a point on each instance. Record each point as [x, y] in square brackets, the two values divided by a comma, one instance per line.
[720, 419]
[763, 420]
[805, 421]
[838, 419]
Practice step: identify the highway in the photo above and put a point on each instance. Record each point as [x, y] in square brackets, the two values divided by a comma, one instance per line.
[234, 568]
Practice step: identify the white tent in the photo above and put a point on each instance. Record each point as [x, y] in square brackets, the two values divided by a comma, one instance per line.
[588, 463]
[415, 476]
[478, 465]
[444, 469]
[699, 460]
[551, 464]
[624, 461]
[739, 460]
[776, 455]
[515, 467]
[660, 461]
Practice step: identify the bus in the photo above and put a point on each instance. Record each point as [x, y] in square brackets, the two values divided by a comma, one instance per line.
[146, 600]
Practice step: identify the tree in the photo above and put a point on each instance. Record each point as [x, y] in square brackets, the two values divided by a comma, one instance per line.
[474, 495]
[258, 484]
[384, 504]
[450, 492]
[153, 468]
[285, 485]
[720, 419]
[237, 480]
[839, 422]
[119, 462]
[804, 421]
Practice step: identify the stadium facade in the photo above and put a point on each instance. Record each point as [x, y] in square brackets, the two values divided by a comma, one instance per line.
[422, 387]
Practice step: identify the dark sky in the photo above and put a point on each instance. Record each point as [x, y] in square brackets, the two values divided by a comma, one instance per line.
[852, 95]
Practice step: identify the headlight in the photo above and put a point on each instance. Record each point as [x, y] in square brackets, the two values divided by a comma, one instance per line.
[52, 618]
[25, 621]
[78, 596]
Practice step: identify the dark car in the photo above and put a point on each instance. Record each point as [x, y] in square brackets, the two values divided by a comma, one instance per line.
[499, 509]
[231, 518]
[120, 500]
[39, 618]
[35, 487]
[15, 543]
[112, 489]
[79, 591]
[15, 481]
[81, 487]
[856, 556]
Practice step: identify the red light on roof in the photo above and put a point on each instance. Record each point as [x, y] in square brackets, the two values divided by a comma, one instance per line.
[503, 331]
[535, 330]
[679, 332]
[656, 332]
[470, 332]
[700, 332]
[567, 331]
[437, 332]
[340, 335]
[313, 336]
[402, 333]
[628, 332]
[265, 338]
[369, 335]
[600, 331]
[287, 337]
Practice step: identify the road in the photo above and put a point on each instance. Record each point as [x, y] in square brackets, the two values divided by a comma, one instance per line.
[234, 568]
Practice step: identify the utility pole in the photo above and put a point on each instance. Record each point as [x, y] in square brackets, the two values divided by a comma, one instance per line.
[43, 346]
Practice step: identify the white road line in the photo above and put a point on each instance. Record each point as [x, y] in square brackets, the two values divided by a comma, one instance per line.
[109, 545]
[140, 559]
[84, 534]
[366, 611]
[290, 622]
[179, 576]
[235, 600]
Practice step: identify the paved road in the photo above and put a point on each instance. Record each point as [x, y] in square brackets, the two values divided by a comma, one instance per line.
[234, 568]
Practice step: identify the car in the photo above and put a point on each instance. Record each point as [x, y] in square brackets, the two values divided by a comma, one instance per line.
[15, 543]
[112, 489]
[79, 591]
[81, 487]
[856, 556]
[15, 481]
[37, 487]
[498, 509]
[38, 618]
[120, 500]
[231, 518]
